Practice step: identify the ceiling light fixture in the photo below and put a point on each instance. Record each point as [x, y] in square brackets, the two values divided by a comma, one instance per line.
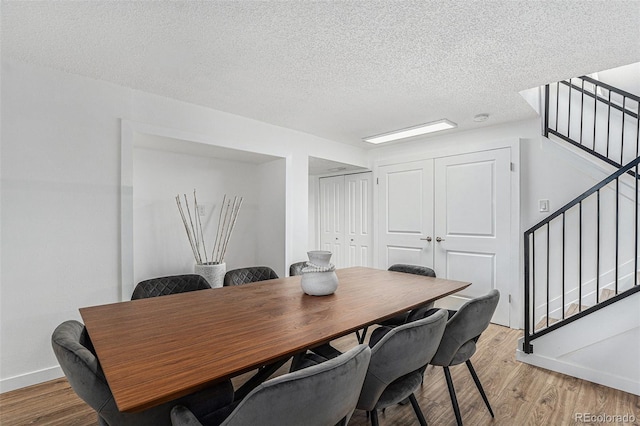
[422, 129]
[481, 117]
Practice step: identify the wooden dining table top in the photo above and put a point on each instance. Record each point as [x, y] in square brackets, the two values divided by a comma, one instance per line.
[158, 349]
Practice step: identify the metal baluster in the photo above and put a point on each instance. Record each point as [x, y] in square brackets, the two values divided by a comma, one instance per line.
[563, 258]
[581, 108]
[595, 115]
[580, 262]
[533, 276]
[624, 109]
[598, 249]
[637, 133]
[546, 111]
[527, 287]
[617, 227]
[635, 270]
[608, 121]
[557, 104]
[569, 109]
[548, 268]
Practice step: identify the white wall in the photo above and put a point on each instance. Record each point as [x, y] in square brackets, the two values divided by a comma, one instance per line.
[60, 211]
[61, 196]
[314, 206]
[270, 220]
[160, 243]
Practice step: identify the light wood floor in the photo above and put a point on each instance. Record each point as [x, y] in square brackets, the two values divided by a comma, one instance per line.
[520, 394]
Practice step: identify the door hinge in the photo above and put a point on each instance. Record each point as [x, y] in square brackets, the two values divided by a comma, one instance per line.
[512, 166]
[377, 181]
[509, 298]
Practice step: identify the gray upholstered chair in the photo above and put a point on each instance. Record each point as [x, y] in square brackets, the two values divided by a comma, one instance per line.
[296, 268]
[75, 353]
[459, 342]
[249, 275]
[162, 286]
[397, 357]
[418, 312]
[321, 395]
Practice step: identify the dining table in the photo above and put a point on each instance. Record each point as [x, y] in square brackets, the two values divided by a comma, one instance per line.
[158, 349]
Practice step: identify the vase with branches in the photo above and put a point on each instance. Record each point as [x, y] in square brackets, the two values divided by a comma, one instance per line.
[209, 264]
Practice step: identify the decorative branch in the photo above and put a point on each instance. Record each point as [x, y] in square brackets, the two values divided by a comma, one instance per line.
[195, 233]
[232, 223]
[186, 227]
[224, 198]
[199, 225]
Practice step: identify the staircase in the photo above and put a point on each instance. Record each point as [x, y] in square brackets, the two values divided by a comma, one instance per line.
[583, 258]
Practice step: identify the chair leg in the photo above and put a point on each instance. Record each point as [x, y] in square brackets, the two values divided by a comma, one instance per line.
[374, 417]
[361, 337]
[479, 386]
[452, 394]
[416, 408]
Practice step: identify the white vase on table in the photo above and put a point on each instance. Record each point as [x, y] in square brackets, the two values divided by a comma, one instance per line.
[212, 272]
[319, 277]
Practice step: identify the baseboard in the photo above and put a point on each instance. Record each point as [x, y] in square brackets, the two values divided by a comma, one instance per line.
[28, 379]
[599, 377]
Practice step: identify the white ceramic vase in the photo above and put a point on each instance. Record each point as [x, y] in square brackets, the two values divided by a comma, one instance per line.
[319, 257]
[319, 283]
[213, 273]
[319, 277]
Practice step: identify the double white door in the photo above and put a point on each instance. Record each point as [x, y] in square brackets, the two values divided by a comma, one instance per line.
[346, 217]
[451, 214]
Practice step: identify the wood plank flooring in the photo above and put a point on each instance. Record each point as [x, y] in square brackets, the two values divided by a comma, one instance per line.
[520, 394]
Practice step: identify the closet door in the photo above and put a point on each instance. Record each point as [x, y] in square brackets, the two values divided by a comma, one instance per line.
[358, 216]
[406, 214]
[472, 225]
[332, 218]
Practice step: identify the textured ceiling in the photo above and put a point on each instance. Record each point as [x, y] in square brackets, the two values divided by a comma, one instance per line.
[340, 70]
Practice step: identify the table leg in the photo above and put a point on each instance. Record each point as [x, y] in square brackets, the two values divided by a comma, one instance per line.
[326, 351]
[262, 375]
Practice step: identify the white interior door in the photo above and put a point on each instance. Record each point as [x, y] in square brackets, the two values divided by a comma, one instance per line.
[332, 217]
[406, 214]
[472, 221]
[359, 217]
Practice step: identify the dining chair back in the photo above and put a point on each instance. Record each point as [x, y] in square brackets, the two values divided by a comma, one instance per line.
[296, 268]
[75, 353]
[163, 286]
[397, 355]
[412, 269]
[458, 344]
[409, 315]
[320, 395]
[249, 275]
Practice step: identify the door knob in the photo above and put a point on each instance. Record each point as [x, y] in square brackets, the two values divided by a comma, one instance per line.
[438, 239]
[428, 239]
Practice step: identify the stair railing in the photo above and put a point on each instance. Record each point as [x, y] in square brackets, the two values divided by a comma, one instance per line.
[599, 118]
[557, 227]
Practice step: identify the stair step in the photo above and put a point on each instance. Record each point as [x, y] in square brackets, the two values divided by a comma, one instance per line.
[543, 323]
[606, 293]
[571, 310]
